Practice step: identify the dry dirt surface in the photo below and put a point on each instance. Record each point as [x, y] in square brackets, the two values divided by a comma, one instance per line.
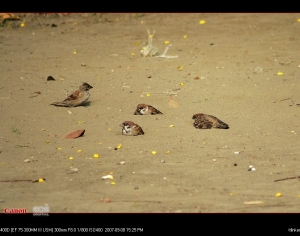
[239, 67]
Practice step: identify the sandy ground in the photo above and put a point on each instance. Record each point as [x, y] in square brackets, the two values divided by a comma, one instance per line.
[241, 68]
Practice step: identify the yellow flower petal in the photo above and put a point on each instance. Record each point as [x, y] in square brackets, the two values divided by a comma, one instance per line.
[132, 54]
[167, 42]
[59, 148]
[202, 22]
[153, 152]
[119, 146]
[41, 180]
[278, 194]
[22, 24]
[179, 67]
[298, 19]
[279, 73]
[167, 152]
[148, 95]
[185, 36]
[47, 141]
[74, 52]
[171, 126]
[79, 150]
[96, 155]
[112, 183]
[181, 84]
[71, 158]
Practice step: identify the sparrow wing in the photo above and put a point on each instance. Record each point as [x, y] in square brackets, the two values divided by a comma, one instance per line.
[74, 96]
[217, 123]
[154, 111]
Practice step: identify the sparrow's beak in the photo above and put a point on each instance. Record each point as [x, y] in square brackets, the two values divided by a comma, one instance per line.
[122, 125]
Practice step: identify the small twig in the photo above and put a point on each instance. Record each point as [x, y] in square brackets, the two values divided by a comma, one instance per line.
[285, 99]
[151, 51]
[296, 177]
[288, 99]
[17, 180]
[21, 180]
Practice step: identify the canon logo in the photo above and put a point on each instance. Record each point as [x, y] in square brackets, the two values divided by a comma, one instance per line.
[14, 210]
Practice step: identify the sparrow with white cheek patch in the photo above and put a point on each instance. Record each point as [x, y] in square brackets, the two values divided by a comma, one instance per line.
[144, 109]
[130, 128]
[77, 98]
[204, 121]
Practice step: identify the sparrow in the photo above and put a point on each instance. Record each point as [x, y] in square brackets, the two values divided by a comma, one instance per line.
[204, 121]
[77, 98]
[144, 109]
[130, 128]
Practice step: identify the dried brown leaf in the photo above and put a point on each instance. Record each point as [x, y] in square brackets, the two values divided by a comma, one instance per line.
[173, 103]
[7, 16]
[253, 202]
[75, 134]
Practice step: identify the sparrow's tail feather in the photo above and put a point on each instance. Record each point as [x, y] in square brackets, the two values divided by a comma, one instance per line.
[222, 125]
[158, 112]
[61, 104]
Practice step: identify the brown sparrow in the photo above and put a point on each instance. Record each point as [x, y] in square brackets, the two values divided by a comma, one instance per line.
[204, 121]
[77, 98]
[130, 128]
[144, 109]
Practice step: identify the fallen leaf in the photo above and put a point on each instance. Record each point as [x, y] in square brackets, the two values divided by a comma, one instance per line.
[40, 180]
[5, 16]
[253, 202]
[173, 103]
[106, 200]
[75, 134]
